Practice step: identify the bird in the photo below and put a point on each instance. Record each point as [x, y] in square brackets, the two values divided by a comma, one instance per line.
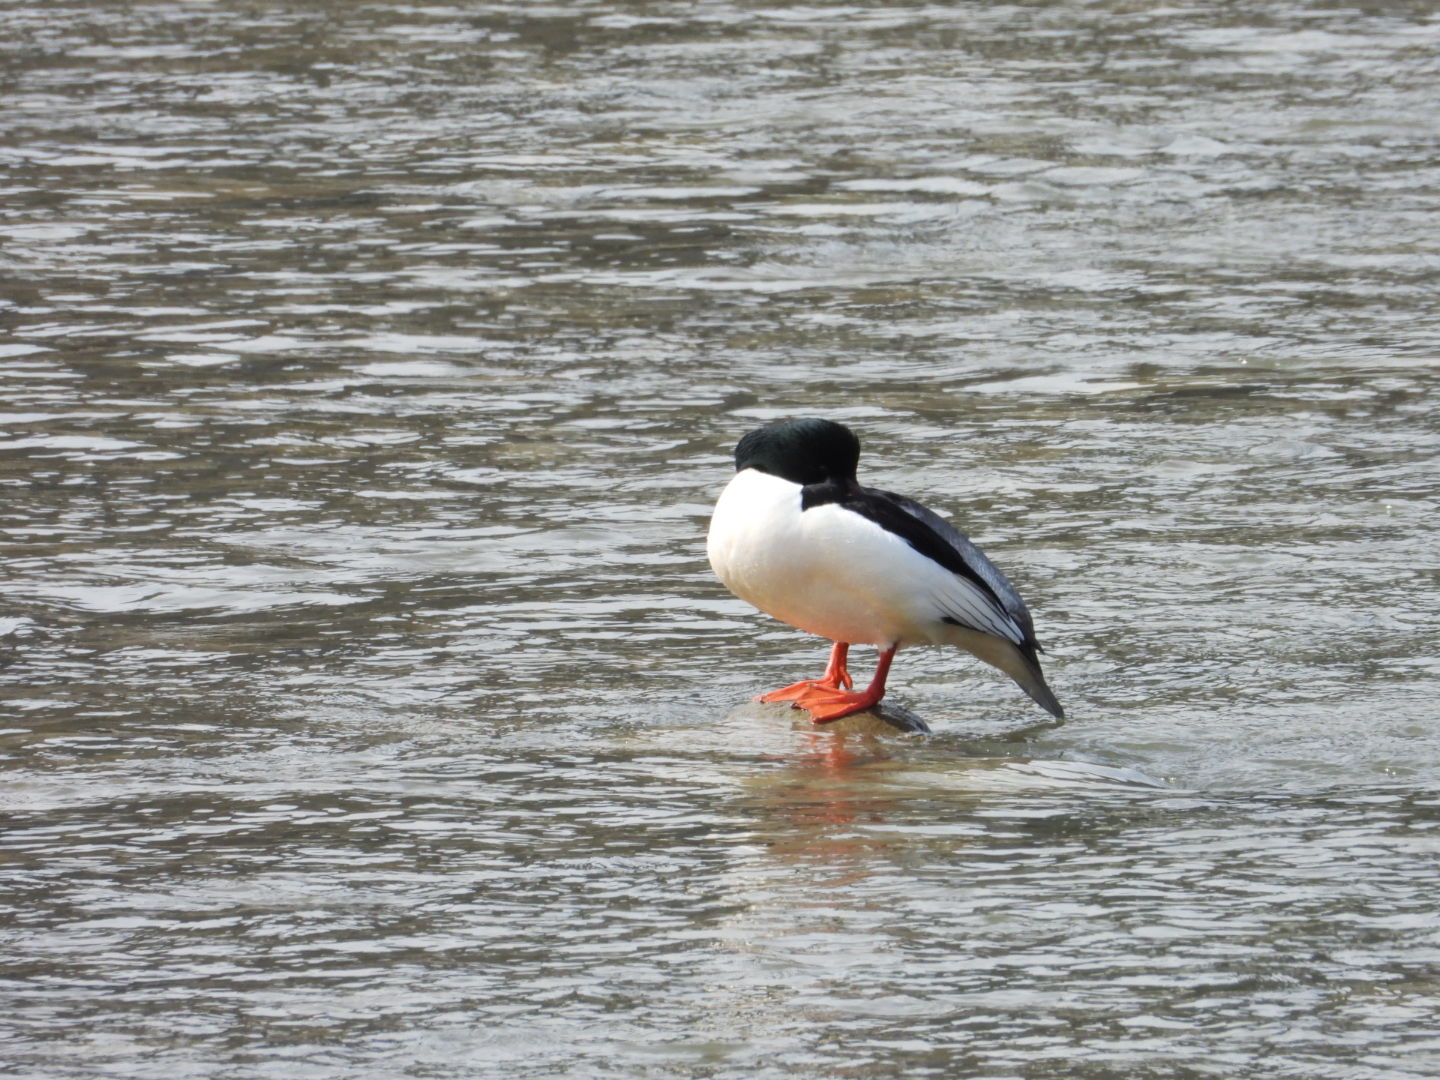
[795, 534]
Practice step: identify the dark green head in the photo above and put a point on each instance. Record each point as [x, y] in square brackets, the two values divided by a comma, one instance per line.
[804, 452]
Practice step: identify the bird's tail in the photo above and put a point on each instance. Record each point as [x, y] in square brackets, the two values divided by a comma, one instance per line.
[1032, 681]
[1021, 664]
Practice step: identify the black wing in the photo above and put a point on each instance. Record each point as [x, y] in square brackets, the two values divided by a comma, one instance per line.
[935, 538]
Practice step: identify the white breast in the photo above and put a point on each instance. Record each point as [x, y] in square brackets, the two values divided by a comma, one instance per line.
[826, 570]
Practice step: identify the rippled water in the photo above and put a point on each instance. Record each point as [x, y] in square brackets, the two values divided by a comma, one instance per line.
[367, 373]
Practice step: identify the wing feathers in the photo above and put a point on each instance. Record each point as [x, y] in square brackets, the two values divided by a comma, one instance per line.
[981, 597]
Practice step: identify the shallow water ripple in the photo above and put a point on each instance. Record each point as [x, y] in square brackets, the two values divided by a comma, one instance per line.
[367, 374]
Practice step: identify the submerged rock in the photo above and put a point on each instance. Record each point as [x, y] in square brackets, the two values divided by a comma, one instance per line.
[883, 719]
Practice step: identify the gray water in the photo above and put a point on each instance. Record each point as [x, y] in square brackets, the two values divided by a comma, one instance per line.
[367, 372]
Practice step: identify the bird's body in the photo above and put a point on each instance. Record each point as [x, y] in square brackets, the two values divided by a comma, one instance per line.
[797, 536]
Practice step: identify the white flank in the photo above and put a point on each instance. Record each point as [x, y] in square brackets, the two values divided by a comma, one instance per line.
[831, 572]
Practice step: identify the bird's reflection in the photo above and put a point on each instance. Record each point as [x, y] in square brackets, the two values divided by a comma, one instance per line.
[819, 809]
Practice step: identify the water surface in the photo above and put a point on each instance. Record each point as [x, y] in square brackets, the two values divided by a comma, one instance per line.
[368, 371]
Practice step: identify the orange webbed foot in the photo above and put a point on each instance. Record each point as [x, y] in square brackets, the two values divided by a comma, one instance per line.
[836, 678]
[825, 705]
[793, 692]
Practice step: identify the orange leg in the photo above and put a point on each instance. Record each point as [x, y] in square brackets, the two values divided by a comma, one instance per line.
[836, 677]
[825, 703]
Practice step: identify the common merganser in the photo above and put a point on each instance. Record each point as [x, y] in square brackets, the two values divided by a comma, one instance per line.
[796, 535]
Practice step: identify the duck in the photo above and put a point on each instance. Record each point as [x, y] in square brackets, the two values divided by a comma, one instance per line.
[797, 536]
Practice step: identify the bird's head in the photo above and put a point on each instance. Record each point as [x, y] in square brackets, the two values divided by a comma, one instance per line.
[808, 451]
